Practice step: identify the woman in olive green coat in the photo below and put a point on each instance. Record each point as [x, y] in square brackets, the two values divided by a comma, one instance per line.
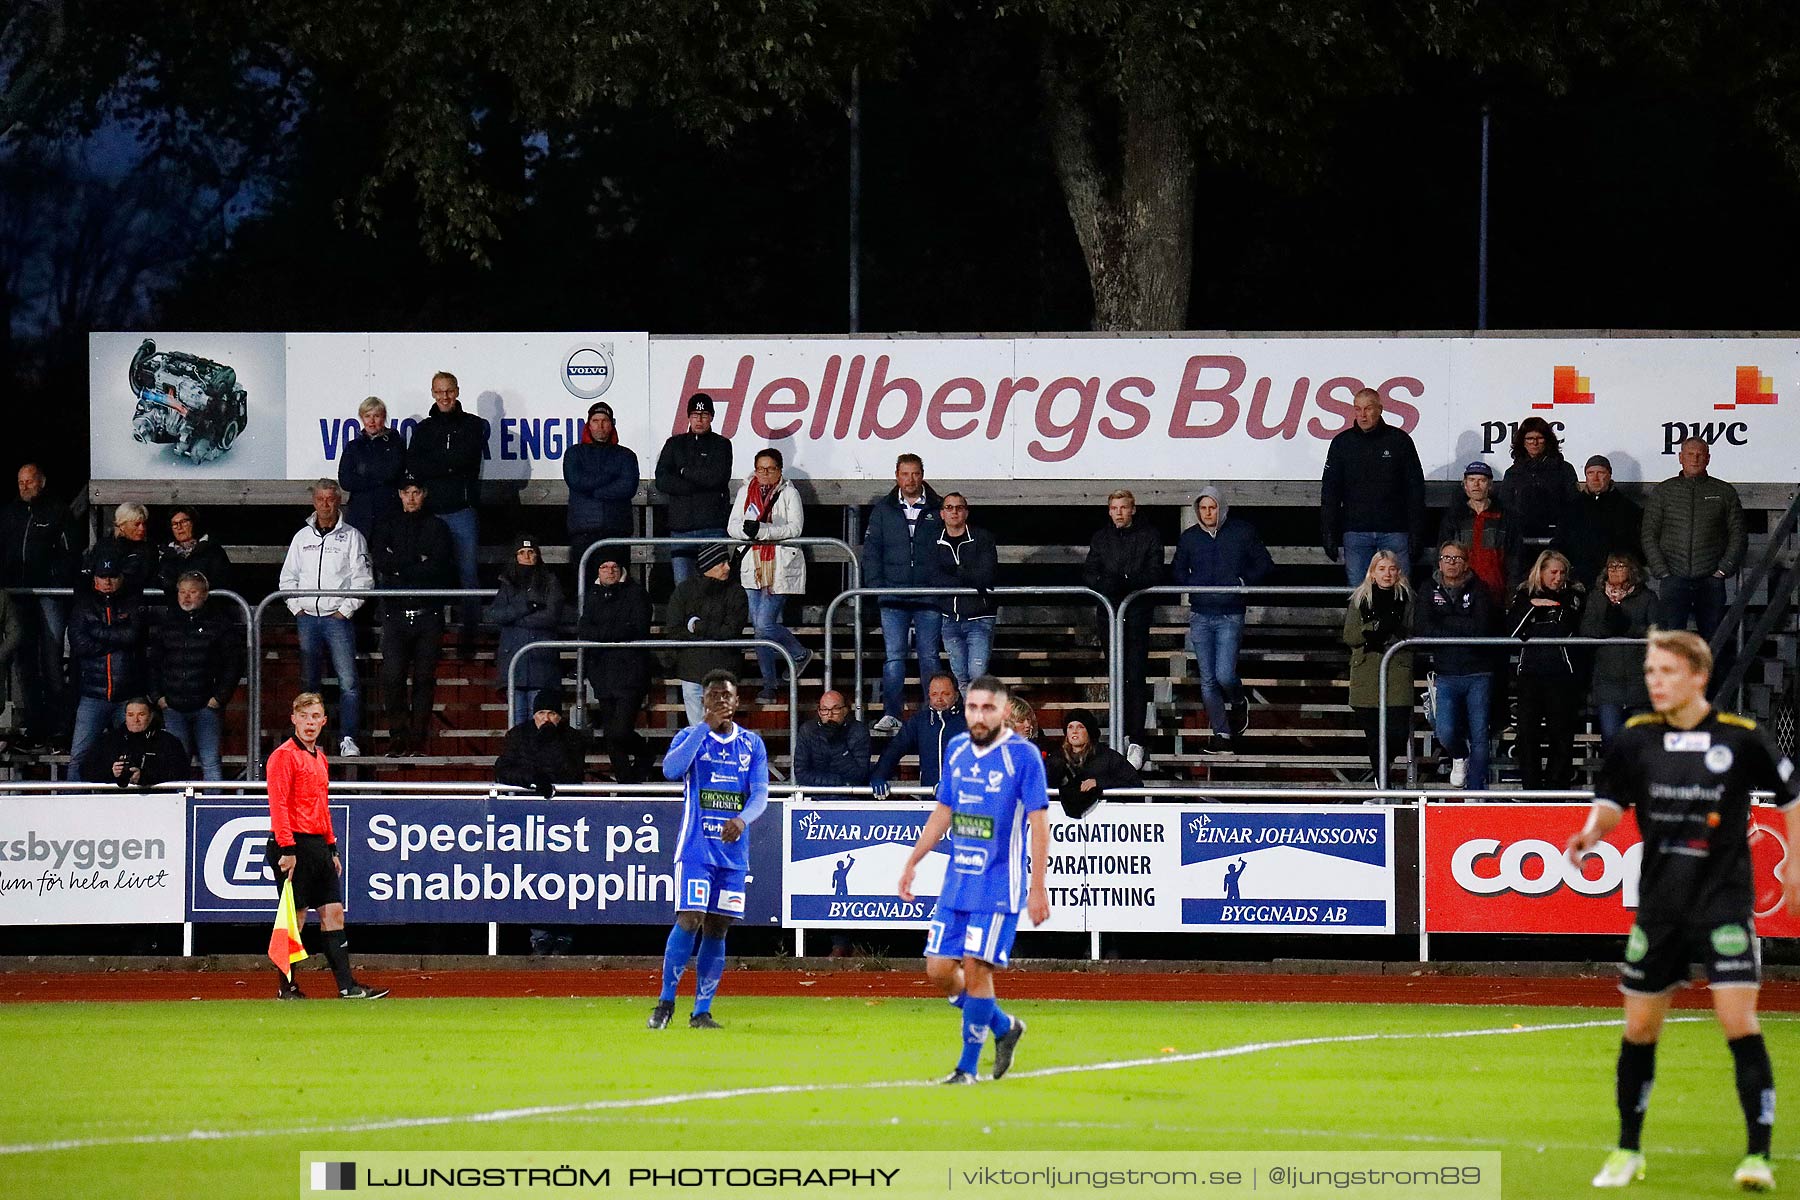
[1380, 614]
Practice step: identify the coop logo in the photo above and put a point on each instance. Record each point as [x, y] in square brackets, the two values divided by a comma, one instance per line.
[1534, 867]
[1753, 387]
[1566, 387]
[334, 1177]
[588, 371]
[230, 873]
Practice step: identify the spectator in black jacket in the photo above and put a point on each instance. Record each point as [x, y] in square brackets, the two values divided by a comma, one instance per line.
[1458, 605]
[603, 480]
[139, 753]
[927, 733]
[445, 457]
[106, 654]
[128, 547]
[709, 606]
[528, 607]
[190, 550]
[411, 551]
[1479, 525]
[35, 552]
[833, 751]
[900, 550]
[1372, 493]
[1604, 522]
[1539, 488]
[1216, 552]
[1083, 769]
[694, 473]
[618, 610]
[966, 557]
[1547, 605]
[542, 750]
[1124, 557]
[196, 664]
[1620, 606]
[370, 469]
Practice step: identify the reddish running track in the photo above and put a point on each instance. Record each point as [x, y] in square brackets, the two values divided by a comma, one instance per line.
[1599, 992]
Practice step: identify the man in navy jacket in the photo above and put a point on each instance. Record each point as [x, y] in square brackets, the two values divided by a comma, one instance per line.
[1218, 552]
[927, 734]
[603, 480]
[900, 550]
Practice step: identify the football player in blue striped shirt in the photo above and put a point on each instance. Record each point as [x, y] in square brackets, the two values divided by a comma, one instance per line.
[725, 771]
[991, 792]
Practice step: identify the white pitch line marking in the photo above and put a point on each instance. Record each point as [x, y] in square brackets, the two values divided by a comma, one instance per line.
[535, 1112]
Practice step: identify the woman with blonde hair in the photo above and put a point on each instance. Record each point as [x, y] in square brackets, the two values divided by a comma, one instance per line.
[1548, 604]
[1619, 606]
[1380, 614]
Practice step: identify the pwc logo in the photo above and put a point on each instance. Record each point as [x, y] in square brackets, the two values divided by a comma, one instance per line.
[1566, 387]
[1752, 387]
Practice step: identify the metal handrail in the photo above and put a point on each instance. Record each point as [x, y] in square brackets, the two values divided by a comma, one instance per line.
[252, 756]
[933, 593]
[1747, 584]
[1381, 739]
[582, 577]
[1116, 681]
[512, 676]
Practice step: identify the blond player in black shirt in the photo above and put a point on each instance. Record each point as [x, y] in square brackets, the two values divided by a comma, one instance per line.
[1689, 771]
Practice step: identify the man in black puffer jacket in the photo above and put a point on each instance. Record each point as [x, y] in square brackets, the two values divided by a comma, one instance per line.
[411, 550]
[196, 664]
[618, 610]
[1124, 557]
[694, 473]
[710, 606]
[445, 457]
[137, 754]
[1372, 492]
[106, 654]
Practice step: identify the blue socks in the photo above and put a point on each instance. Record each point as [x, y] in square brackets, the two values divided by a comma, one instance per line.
[1000, 1024]
[977, 1011]
[675, 959]
[707, 972]
[956, 1001]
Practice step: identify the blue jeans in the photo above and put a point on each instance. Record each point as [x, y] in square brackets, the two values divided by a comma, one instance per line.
[93, 717]
[969, 642]
[927, 626]
[693, 700]
[1213, 640]
[765, 619]
[1701, 597]
[199, 732]
[682, 557]
[465, 540]
[336, 636]
[1612, 718]
[1360, 548]
[1461, 723]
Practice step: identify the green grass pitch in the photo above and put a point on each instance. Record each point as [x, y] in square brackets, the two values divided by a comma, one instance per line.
[300, 1077]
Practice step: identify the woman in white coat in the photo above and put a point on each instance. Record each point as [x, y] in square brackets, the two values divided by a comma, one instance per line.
[767, 510]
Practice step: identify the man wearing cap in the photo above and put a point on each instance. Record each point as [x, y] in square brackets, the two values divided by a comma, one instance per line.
[618, 610]
[1082, 770]
[328, 553]
[603, 479]
[1604, 521]
[107, 633]
[708, 606]
[694, 473]
[413, 551]
[445, 456]
[1693, 539]
[1480, 525]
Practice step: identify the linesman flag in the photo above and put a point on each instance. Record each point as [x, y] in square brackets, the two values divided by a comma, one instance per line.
[285, 948]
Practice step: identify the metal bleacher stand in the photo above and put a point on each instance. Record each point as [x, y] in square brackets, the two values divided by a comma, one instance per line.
[856, 594]
[667, 644]
[583, 576]
[1381, 767]
[254, 738]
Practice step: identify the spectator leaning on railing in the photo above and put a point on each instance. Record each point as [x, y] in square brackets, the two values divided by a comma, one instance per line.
[1380, 614]
[768, 510]
[1082, 769]
[833, 751]
[138, 753]
[371, 467]
[196, 664]
[1372, 492]
[190, 550]
[527, 608]
[106, 654]
[709, 606]
[1620, 606]
[966, 558]
[1219, 552]
[1547, 605]
[1694, 540]
[1457, 605]
[1126, 556]
[926, 733]
[329, 553]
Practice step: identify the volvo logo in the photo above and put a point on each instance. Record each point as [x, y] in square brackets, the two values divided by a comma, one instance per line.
[588, 371]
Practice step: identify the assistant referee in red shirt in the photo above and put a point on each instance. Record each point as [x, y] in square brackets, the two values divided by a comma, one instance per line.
[302, 846]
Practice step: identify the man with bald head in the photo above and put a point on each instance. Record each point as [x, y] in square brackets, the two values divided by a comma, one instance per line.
[35, 552]
[833, 751]
[1694, 541]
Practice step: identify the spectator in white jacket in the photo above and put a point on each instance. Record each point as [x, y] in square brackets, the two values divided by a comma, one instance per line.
[329, 553]
[768, 510]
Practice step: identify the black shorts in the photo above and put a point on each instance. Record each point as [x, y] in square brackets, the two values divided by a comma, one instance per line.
[1659, 955]
[315, 873]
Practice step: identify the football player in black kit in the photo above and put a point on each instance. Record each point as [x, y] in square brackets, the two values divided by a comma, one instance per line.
[1688, 770]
